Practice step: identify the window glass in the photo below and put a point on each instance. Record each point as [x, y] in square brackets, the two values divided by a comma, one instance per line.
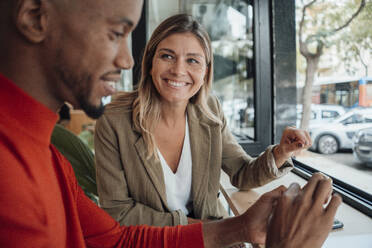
[158, 10]
[230, 27]
[341, 87]
[329, 114]
[126, 83]
[368, 119]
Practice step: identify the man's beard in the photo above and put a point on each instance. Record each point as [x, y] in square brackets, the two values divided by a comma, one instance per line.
[82, 85]
[92, 111]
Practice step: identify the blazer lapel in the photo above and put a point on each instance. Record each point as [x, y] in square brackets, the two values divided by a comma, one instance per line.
[200, 141]
[154, 170]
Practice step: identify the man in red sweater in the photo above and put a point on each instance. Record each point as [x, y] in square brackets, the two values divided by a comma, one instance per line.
[72, 50]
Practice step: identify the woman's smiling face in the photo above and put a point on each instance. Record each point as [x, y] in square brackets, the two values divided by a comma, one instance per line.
[179, 68]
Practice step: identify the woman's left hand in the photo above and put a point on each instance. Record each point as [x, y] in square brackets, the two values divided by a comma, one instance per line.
[293, 141]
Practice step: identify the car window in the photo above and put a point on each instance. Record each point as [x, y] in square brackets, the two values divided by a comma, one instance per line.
[329, 114]
[355, 118]
[358, 118]
[368, 119]
[348, 120]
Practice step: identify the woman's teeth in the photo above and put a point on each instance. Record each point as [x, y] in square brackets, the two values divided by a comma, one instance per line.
[176, 84]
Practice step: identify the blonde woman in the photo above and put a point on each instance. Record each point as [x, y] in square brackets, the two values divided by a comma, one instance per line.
[161, 148]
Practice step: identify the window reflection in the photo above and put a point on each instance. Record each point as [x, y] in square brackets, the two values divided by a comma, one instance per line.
[230, 26]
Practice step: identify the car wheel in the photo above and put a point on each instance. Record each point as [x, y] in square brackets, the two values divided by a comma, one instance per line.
[327, 144]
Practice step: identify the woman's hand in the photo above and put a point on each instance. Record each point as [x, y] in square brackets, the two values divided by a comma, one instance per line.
[293, 141]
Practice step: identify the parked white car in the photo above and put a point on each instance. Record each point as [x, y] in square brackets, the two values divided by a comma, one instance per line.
[321, 113]
[338, 134]
[362, 146]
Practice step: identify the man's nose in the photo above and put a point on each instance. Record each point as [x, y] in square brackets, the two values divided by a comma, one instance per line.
[124, 59]
[178, 67]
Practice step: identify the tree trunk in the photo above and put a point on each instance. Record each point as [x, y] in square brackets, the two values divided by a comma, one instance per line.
[311, 69]
[365, 65]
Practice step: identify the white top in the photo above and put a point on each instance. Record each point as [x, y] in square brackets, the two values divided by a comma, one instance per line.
[178, 185]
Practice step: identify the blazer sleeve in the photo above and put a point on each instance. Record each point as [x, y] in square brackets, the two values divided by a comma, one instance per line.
[112, 186]
[246, 172]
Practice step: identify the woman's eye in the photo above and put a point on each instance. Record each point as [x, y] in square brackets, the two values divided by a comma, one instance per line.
[166, 56]
[192, 61]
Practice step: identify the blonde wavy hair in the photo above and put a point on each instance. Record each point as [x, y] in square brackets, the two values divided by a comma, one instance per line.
[145, 100]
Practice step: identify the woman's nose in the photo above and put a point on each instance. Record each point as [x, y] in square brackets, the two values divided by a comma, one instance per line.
[178, 67]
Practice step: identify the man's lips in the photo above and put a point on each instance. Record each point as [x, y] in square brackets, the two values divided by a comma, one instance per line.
[109, 86]
[109, 80]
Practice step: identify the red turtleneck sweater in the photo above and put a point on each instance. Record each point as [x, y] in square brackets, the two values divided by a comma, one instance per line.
[41, 204]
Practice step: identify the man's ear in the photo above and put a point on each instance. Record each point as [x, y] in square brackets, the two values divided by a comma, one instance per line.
[31, 19]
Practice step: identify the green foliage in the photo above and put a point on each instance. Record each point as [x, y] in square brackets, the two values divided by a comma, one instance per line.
[355, 43]
[80, 157]
[323, 18]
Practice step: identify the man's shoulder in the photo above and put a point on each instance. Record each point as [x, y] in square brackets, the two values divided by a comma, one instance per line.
[62, 161]
[12, 145]
[17, 175]
[8, 153]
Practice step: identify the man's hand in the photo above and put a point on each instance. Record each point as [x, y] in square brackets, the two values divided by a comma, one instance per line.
[285, 218]
[248, 227]
[256, 218]
[293, 141]
[299, 219]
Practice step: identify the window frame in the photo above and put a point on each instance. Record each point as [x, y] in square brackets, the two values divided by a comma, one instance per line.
[351, 195]
[139, 40]
[262, 79]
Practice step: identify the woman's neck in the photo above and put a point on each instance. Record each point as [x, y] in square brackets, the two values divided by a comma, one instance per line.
[173, 115]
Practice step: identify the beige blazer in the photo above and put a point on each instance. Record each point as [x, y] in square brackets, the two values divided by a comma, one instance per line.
[131, 188]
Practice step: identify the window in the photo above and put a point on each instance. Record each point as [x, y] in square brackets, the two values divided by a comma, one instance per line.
[357, 118]
[329, 114]
[339, 81]
[230, 27]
